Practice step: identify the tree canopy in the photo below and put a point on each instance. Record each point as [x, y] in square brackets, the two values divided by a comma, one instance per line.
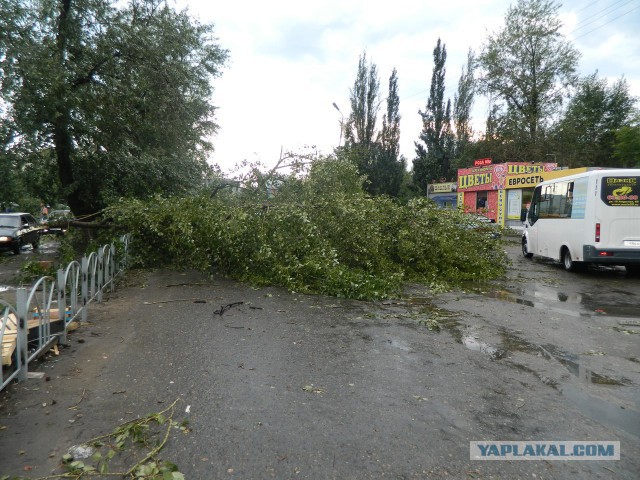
[627, 146]
[586, 134]
[434, 152]
[526, 68]
[117, 97]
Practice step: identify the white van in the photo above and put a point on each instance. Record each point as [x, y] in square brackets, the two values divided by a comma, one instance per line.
[587, 218]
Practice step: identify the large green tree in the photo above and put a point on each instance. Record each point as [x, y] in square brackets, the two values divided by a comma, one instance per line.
[586, 134]
[526, 68]
[119, 95]
[434, 154]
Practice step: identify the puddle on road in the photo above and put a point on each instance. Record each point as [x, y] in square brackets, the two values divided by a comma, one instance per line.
[604, 412]
[541, 302]
[572, 363]
[510, 342]
[472, 343]
[399, 344]
[600, 410]
[571, 304]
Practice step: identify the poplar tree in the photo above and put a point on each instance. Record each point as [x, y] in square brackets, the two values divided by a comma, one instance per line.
[374, 153]
[462, 104]
[387, 169]
[434, 154]
[365, 102]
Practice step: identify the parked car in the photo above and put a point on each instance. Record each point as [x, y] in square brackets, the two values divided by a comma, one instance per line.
[57, 218]
[482, 224]
[18, 230]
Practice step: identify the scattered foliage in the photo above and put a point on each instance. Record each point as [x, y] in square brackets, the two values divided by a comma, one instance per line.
[34, 269]
[140, 440]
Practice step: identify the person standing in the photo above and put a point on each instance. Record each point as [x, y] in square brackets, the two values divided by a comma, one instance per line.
[44, 212]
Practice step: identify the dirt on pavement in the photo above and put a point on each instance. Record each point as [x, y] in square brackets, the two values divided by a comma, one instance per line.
[276, 384]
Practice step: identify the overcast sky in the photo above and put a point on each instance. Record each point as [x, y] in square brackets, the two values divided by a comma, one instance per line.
[291, 60]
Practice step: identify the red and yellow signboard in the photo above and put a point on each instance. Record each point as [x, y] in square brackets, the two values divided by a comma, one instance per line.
[494, 177]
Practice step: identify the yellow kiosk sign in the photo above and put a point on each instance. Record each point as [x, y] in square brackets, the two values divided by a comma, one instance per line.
[526, 181]
[531, 179]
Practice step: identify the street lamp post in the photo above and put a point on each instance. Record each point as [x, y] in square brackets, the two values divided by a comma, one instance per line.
[341, 123]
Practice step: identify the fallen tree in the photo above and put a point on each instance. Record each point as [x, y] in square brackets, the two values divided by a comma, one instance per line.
[320, 234]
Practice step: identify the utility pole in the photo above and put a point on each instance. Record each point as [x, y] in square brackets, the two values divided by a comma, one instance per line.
[341, 123]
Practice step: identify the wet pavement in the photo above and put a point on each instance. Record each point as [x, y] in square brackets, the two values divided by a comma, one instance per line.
[281, 385]
[587, 323]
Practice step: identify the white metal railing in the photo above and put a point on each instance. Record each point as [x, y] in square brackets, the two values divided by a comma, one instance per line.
[42, 313]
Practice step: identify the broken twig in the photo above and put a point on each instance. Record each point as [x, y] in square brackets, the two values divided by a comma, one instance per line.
[177, 300]
[226, 307]
[73, 407]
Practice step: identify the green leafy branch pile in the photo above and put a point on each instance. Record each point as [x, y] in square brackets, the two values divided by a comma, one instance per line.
[320, 233]
[139, 435]
[33, 269]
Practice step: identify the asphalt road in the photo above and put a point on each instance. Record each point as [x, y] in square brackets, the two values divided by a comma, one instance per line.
[284, 385]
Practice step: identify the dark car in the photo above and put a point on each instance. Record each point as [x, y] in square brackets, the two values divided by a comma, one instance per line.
[17, 230]
[55, 222]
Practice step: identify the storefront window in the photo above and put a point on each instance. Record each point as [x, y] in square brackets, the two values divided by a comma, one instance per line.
[481, 200]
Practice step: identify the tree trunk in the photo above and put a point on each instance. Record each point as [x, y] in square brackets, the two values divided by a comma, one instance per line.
[62, 140]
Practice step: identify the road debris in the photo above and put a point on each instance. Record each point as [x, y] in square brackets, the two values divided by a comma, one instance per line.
[226, 307]
[312, 389]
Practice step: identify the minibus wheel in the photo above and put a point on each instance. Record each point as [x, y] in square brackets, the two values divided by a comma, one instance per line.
[569, 264]
[525, 248]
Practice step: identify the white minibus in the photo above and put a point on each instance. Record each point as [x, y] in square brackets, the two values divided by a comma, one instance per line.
[587, 218]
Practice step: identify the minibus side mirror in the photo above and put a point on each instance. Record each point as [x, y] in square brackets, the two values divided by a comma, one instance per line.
[523, 215]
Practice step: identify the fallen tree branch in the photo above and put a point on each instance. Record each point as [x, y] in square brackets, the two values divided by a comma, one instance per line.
[226, 307]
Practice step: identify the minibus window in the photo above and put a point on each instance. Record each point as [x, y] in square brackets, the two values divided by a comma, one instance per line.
[534, 209]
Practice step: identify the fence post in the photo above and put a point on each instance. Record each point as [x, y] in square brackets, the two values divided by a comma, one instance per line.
[112, 259]
[93, 265]
[100, 274]
[22, 348]
[44, 330]
[107, 265]
[72, 277]
[62, 303]
[84, 267]
[125, 253]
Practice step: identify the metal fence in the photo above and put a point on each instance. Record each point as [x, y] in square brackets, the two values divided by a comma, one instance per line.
[42, 313]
